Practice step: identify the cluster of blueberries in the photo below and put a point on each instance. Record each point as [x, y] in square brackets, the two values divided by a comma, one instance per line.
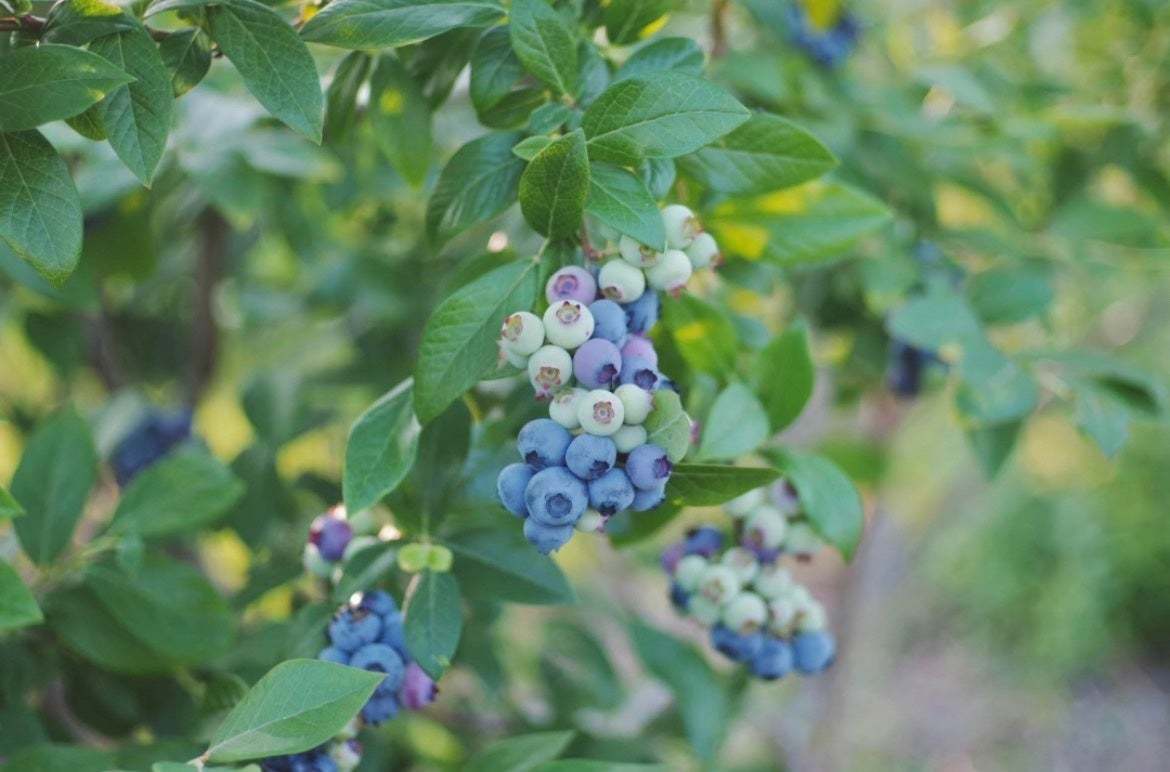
[758, 614]
[151, 438]
[338, 755]
[590, 358]
[826, 44]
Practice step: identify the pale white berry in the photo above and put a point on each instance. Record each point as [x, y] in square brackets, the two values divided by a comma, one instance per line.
[704, 611]
[563, 407]
[516, 360]
[315, 564]
[629, 437]
[681, 226]
[689, 572]
[671, 273]
[801, 539]
[773, 581]
[600, 412]
[718, 584]
[637, 401]
[745, 613]
[811, 617]
[743, 562]
[590, 521]
[345, 756]
[765, 528]
[621, 282]
[602, 235]
[703, 251]
[638, 254]
[784, 497]
[549, 369]
[521, 333]
[568, 323]
[744, 505]
[782, 614]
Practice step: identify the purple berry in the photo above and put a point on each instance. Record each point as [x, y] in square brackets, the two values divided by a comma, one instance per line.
[543, 442]
[705, 541]
[642, 314]
[671, 556]
[571, 283]
[611, 493]
[555, 497]
[641, 372]
[637, 346]
[597, 363]
[773, 660]
[510, 485]
[547, 538]
[609, 322]
[330, 533]
[418, 689]
[648, 467]
[590, 456]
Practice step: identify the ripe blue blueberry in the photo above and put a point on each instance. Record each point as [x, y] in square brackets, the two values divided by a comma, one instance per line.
[555, 497]
[813, 651]
[590, 456]
[378, 602]
[379, 709]
[640, 372]
[638, 346]
[547, 538]
[510, 487]
[571, 283]
[597, 363]
[642, 314]
[705, 541]
[611, 493]
[679, 597]
[609, 322]
[734, 646]
[645, 500]
[543, 442]
[648, 467]
[352, 629]
[394, 634]
[330, 534]
[149, 441]
[380, 658]
[773, 660]
[334, 654]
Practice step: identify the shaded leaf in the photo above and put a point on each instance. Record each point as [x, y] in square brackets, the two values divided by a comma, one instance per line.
[828, 498]
[381, 448]
[369, 24]
[735, 426]
[503, 565]
[555, 185]
[44, 83]
[621, 201]
[479, 182]
[709, 485]
[18, 608]
[434, 621]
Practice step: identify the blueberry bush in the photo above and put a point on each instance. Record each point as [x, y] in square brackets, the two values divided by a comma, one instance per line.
[325, 326]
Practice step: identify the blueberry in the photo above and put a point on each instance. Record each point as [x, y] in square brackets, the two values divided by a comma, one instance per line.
[736, 647]
[568, 323]
[905, 368]
[600, 412]
[773, 660]
[394, 634]
[814, 651]
[334, 654]
[640, 372]
[571, 283]
[543, 442]
[418, 689]
[380, 658]
[522, 333]
[352, 629]
[380, 708]
[510, 487]
[642, 314]
[378, 602]
[679, 597]
[611, 493]
[621, 282]
[549, 369]
[672, 272]
[547, 538]
[590, 456]
[671, 556]
[681, 226]
[645, 500]
[637, 401]
[638, 346]
[609, 322]
[636, 253]
[330, 533]
[705, 541]
[703, 251]
[555, 497]
[597, 363]
[151, 439]
[648, 467]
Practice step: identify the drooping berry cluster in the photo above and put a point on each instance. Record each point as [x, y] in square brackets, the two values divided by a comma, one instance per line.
[758, 614]
[827, 41]
[590, 357]
[339, 755]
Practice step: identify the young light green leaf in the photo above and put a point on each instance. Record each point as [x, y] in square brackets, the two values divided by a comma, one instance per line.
[529, 147]
[370, 24]
[663, 55]
[401, 119]
[162, 6]
[57, 470]
[503, 565]
[828, 498]
[18, 607]
[136, 117]
[273, 61]
[621, 201]
[184, 491]
[40, 211]
[932, 321]
[77, 22]
[784, 375]
[545, 44]
[668, 425]
[766, 153]
[705, 337]
[521, 753]
[381, 448]
[662, 115]
[434, 621]
[459, 343]
[9, 506]
[993, 389]
[44, 83]
[709, 485]
[480, 181]
[495, 68]
[555, 185]
[297, 705]
[549, 117]
[187, 56]
[1009, 295]
[736, 425]
[1102, 418]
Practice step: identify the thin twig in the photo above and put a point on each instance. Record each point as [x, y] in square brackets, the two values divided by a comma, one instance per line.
[213, 233]
[718, 29]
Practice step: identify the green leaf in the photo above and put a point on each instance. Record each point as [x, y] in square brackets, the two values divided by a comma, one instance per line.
[369, 24]
[183, 492]
[9, 507]
[629, 527]
[555, 185]
[993, 388]
[341, 98]
[930, 322]
[459, 343]
[594, 765]
[162, 6]
[273, 61]
[705, 337]
[1102, 418]
[784, 375]
[501, 564]
[529, 147]
[57, 470]
[297, 705]
[1009, 295]
[87, 628]
[53, 757]
[480, 181]
[77, 22]
[993, 444]
[701, 698]
[401, 119]
[621, 201]
[434, 621]
[659, 175]
[668, 425]
[187, 56]
[1139, 391]
[545, 44]
[381, 448]
[136, 117]
[40, 211]
[514, 110]
[736, 425]
[828, 498]
[495, 69]
[18, 608]
[764, 154]
[44, 83]
[521, 753]
[709, 485]
[434, 481]
[549, 117]
[663, 55]
[658, 116]
[625, 21]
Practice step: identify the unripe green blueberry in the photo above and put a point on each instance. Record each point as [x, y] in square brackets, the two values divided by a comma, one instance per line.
[621, 282]
[314, 563]
[590, 521]
[600, 412]
[637, 401]
[563, 407]
[703, 251]
[745, 613]
[689, 572]
[638, 254]
[743, 562]
[549, 369]
[718, 584]
[773, 581]
[522, 333]
[568, 323]
[744, 505]
[801, 539]
[782, 613]
[681, 226]
[629, 437]
[765, 527]
[671, 273]
[811, 617]
[703, 610]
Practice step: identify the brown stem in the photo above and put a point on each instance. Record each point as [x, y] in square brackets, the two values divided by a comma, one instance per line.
[103, 351]
[213, 234]
[55, 704]
[718, 29]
